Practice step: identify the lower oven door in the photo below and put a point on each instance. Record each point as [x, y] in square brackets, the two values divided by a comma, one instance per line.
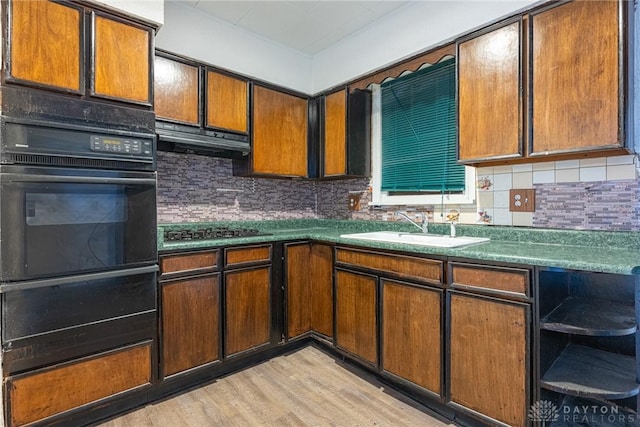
[59, 221]
[53, 320]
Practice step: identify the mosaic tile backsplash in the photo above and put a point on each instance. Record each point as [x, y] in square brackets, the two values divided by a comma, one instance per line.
[591, 194]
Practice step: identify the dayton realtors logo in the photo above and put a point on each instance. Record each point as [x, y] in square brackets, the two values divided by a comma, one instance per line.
[545, 412]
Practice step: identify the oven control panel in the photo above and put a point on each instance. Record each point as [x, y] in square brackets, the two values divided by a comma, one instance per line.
[120, 145]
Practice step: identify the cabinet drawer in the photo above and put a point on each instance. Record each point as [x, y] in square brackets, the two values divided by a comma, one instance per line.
[493, 280]
[247, 255]
[188, 262]
[36, 396]
[421, 269]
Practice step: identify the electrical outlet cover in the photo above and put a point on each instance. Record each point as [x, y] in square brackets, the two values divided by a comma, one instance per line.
[522, 200]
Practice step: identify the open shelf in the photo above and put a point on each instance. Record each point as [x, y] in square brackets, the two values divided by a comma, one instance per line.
[587, 372]
[591, 317]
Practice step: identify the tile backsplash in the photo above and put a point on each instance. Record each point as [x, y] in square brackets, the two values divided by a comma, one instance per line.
[567, 193]
[597, 193]
[195, 188]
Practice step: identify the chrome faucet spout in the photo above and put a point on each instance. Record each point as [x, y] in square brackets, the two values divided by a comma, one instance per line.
[424, 227]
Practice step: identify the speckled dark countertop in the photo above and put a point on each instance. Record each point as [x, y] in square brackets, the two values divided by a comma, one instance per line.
[599, 251]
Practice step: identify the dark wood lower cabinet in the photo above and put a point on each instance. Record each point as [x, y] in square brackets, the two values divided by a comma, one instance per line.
[489, 356]
[322, 289]
[47, 392]
[356, 314]
[247, 309]
[190, 323]
[412, 333]
[309, 278]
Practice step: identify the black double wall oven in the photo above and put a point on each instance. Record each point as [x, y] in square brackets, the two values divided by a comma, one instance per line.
[78, 250]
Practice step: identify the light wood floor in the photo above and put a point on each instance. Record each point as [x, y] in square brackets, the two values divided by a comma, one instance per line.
[304, 388]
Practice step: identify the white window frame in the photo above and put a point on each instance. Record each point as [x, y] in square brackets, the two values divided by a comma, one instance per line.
[380, 197]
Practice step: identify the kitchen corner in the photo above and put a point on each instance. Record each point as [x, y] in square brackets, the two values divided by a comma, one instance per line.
[194, 193]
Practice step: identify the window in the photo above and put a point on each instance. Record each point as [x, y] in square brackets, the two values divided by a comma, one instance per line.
[414, 140]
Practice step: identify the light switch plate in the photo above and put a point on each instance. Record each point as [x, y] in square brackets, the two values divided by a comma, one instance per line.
[522, 200]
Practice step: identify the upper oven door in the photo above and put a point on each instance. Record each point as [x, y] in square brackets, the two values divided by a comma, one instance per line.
[58, 221]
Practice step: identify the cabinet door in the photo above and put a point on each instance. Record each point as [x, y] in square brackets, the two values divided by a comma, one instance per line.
[489, 95]
[279, 145]
[247, 309]
[56, 389]
[322, 289]
[121, 61]
[176, 91]
[299, 278]
[356, 319]
[46, 47]
[227, 102]
[412, 333]
[309, 289]
[575, 77]
[190, 323]
[489, 357]
[335, 134]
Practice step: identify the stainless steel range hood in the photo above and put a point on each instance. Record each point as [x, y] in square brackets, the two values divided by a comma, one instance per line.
[200, 141]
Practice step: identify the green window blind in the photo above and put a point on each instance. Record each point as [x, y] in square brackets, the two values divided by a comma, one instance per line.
[419, 132]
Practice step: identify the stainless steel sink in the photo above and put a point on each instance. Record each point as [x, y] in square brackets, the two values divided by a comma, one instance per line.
[433, 240]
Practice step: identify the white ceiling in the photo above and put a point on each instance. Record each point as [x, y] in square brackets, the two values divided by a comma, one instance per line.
[308, 26]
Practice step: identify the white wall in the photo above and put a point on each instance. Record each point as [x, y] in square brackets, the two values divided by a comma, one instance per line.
[205, 38]
[408, 30]
[148, 10]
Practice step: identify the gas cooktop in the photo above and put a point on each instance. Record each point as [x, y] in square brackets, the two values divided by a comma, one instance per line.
[210, 233]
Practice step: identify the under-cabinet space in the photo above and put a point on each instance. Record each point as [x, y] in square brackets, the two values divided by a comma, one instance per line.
[588, 336]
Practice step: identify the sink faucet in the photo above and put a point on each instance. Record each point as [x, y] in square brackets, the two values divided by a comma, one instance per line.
[424, 227]
[452, 217]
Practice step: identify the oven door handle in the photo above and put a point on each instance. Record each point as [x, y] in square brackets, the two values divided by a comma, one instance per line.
[18, 177]
[57, 281]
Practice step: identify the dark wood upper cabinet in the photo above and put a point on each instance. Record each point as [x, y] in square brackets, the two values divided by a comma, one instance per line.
[279, 135]
[489, 95]
[343, 134]
[122, 60]
[227, 102]
[335, 134]
[176, 91]
[46, 45]
[48, 42]
[550, 85]
[575, 80]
